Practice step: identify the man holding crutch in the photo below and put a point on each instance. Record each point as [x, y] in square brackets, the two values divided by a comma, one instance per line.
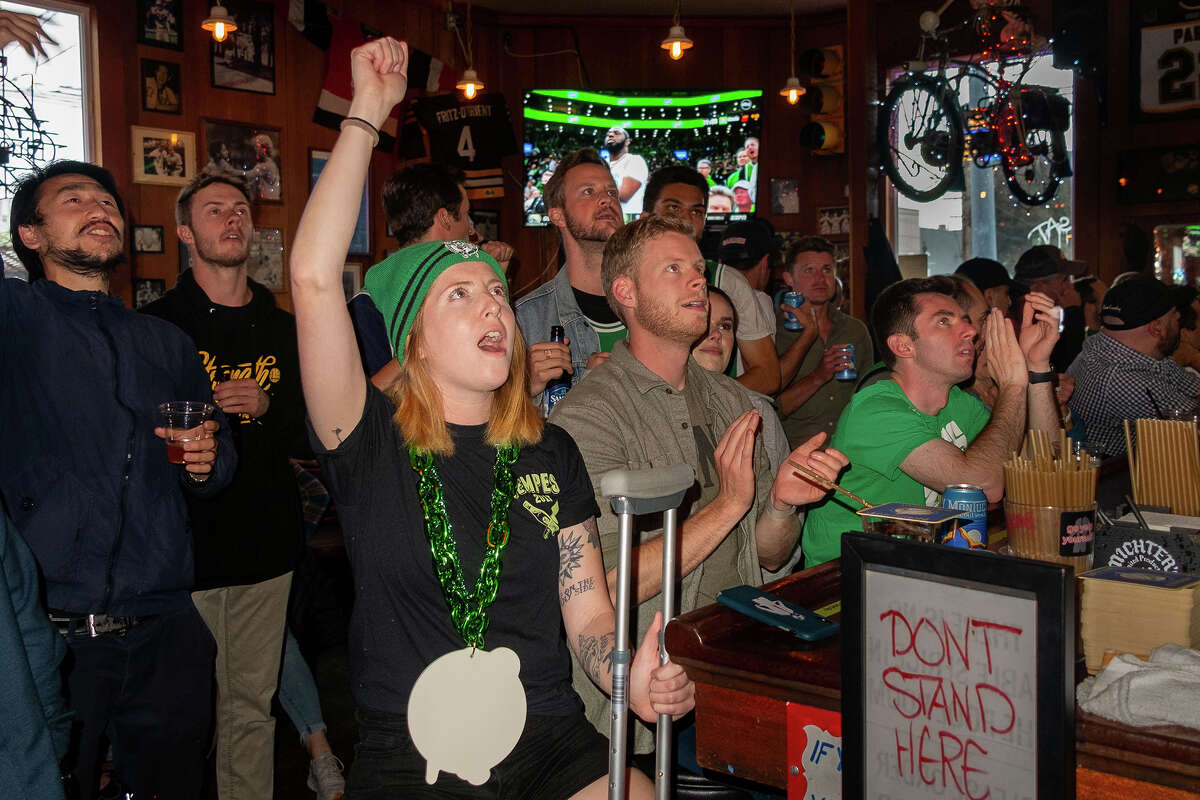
[652, 405]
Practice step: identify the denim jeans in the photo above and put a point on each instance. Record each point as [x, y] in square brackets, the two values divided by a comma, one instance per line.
[298, 690]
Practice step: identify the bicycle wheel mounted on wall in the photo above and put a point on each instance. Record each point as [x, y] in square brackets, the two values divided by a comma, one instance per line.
[920, 134]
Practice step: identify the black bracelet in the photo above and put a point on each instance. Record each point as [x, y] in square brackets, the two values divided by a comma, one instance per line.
[1041, 377]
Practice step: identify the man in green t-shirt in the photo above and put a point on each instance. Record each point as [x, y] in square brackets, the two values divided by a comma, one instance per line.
[912, 435]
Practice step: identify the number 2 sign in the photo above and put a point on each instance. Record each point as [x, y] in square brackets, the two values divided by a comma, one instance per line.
[1169, 57]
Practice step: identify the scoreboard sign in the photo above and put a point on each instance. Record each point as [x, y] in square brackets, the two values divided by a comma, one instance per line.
[1167, 44]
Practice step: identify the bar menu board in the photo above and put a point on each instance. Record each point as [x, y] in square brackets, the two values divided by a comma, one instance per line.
[950, 689]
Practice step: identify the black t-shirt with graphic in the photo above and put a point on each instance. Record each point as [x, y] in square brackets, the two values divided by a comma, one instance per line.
[400, 622]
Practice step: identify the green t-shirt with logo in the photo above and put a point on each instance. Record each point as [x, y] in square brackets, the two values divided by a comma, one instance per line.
[609, 333]
[877, 431]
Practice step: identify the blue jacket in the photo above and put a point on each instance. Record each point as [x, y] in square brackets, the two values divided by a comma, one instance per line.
[553, 303]
[84, 477]
[37, 725]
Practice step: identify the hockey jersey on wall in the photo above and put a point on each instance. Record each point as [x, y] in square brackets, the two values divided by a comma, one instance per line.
[472, 135]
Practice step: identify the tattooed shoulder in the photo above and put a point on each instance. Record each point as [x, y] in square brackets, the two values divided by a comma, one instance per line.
[593, 533]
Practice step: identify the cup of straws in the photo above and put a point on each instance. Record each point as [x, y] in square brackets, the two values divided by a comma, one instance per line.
[1050, 502]
[1164, 464]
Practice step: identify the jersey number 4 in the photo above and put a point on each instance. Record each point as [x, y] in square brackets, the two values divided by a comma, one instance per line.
[466, 145]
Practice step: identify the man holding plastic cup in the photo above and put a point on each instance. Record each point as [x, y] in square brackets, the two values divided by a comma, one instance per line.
[87, 481]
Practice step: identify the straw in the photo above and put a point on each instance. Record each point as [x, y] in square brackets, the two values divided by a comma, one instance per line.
[1133, 473]
[828, 484]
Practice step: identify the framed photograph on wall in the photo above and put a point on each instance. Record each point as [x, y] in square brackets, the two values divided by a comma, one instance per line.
[833, 221]
[147, 290]
[352, 279]
[265, 263]
[360, 242]
[160, 86]
[487, 224]
[967, 652]
[245, 61]
[160, 23]
[248, 151]
[785, 196]
[163, 156]
[147, 238]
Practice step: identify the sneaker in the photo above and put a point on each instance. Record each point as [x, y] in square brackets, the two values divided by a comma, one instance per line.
[325, 777]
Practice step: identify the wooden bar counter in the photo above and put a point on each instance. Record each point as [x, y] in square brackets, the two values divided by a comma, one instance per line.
[747, 673]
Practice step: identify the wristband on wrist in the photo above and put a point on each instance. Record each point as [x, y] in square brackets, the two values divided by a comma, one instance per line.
[1041, 377]
[359, 122]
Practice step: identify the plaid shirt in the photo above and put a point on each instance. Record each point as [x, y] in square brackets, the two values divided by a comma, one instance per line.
[1114, 383]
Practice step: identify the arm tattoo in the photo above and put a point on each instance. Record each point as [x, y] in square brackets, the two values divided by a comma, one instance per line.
[595, 655]
[576, 589]
[570, 553]
[593, 538]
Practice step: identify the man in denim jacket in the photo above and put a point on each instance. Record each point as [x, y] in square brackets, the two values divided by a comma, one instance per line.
[582, 202]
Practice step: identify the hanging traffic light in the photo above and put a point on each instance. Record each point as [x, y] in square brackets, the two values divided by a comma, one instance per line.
[825, 132]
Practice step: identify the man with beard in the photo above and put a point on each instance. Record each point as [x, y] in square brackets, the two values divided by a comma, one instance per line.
[247, 538]
[628, 170]
[911, 435]
[1126, 371]
[86, 479]
[582, 202]
[652, 404]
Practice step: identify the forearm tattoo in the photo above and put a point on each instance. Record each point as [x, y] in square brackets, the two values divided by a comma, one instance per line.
[595, 655]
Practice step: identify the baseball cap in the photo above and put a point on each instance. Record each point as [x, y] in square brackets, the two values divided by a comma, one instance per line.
[985, 273]
[1135, 302]
[1045, 261]
[745, 241]
[747, 185]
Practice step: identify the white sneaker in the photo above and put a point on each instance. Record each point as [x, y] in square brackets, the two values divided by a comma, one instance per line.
[325, 777]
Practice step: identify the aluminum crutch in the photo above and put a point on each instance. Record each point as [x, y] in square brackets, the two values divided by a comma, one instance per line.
[634, 493]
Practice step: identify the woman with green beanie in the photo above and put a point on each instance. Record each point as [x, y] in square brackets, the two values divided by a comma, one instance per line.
[470, 524]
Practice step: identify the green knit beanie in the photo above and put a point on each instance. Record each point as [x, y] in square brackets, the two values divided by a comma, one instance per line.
[399, 283]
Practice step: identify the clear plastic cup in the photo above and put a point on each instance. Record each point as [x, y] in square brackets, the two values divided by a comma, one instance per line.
[184, 421]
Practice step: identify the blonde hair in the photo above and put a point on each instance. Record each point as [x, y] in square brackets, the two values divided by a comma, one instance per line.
[420, 416]
[623, 251]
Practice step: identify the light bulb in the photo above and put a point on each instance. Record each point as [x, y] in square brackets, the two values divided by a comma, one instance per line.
[676, 51]
[793, 96]
[469, 91]
[219, 32]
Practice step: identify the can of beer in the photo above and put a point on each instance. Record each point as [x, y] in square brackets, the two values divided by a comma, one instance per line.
[970, 531]
[850, 373]
[791, 322]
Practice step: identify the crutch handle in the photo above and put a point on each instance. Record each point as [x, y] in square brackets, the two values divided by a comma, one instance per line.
[646, 491]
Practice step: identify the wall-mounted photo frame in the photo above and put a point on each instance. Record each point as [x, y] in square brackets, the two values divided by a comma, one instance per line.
[833, 221]
[352, 279]
[160, 23]
[360, 242]
[785, 195]
[487, 223]
[968, 653]
[251, 152]
[245, 61]
[162, 156]
[147, 290]
[161, 86]
[147, 238]
[265, 263]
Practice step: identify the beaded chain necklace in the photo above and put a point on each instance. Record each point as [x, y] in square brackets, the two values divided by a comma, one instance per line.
[468, 609]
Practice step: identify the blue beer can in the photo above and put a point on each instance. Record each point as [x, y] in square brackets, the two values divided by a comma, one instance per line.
[791, 322]
[970, 531]
[849, 373]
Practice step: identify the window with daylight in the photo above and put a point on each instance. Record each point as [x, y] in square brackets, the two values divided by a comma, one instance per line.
[985, 209]
[55, 90]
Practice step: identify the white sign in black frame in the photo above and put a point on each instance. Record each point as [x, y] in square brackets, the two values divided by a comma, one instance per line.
[957, 673]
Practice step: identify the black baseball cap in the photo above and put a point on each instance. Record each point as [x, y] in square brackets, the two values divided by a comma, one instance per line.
[745, 241]
[1135, 302]
[1045, 261]
[985, 273]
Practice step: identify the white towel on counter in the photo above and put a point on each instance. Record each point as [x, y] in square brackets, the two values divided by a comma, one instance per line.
[1162, 691]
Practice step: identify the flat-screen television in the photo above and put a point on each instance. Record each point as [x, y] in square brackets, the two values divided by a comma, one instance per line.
[638, 131]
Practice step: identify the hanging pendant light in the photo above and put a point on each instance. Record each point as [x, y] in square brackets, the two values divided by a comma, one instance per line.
[792, 89]
[219, 23]
[469, 84]
[676, 41]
